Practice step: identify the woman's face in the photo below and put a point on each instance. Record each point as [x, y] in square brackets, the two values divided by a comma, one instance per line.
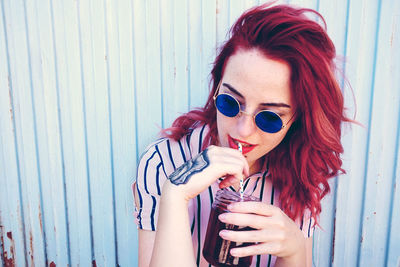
[258, 83]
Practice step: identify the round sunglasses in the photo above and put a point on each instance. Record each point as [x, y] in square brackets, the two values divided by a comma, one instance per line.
[268, 121]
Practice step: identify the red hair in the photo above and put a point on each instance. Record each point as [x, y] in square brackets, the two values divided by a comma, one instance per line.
[309, 155]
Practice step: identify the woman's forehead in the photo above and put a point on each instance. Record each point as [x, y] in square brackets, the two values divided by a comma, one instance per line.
[253, 74]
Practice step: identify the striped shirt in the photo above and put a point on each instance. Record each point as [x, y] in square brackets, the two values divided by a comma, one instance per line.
[162, 157]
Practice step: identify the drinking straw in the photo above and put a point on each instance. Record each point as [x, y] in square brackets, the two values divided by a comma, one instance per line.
[241, 179]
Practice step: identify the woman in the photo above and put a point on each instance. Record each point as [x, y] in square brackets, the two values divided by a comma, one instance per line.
[274, 93]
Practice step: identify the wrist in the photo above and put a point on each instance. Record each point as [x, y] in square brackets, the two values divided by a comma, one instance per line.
[172, 193]
[297, 259]
[292, 261]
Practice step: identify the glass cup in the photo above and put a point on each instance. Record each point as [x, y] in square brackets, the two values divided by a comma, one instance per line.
[216, 250]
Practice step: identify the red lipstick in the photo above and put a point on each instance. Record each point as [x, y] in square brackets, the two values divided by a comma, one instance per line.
[245, 149]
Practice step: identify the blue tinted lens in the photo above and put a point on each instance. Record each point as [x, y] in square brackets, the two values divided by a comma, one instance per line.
[227, 105]
[268, 121]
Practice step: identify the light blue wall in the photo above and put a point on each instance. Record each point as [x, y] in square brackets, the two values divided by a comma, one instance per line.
[86, 85]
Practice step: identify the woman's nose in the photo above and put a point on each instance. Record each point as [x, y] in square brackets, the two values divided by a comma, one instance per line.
[246, 125]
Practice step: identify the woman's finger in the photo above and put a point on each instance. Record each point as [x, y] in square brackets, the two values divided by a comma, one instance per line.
[255, 207]
[272, 248]
[264, 235]
[228, 154]
[251, 220]
[228, 181]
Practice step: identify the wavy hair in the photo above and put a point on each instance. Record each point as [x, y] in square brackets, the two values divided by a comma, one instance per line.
[309, 155]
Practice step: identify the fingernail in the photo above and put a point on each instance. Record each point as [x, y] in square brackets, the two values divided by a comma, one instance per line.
[222, 233]
[234, 252]
[222, 217]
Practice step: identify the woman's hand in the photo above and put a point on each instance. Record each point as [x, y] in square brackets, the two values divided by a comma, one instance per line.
[275, 233]
[185, 183]
[197, 174]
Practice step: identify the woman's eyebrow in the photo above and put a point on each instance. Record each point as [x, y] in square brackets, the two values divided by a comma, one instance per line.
[236, 92]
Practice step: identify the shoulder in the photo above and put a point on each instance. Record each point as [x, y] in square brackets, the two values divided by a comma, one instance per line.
[192, 142]
[173, 153]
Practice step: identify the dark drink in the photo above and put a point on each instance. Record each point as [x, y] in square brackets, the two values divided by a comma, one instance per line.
[216, 250]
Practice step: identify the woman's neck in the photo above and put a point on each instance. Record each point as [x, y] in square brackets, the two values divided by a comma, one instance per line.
[257, 166]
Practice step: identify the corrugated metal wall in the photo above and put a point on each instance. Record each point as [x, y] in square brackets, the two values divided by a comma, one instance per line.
[86, 85]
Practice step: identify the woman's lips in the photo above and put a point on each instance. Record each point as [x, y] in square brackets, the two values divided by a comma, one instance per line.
[245, 149]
